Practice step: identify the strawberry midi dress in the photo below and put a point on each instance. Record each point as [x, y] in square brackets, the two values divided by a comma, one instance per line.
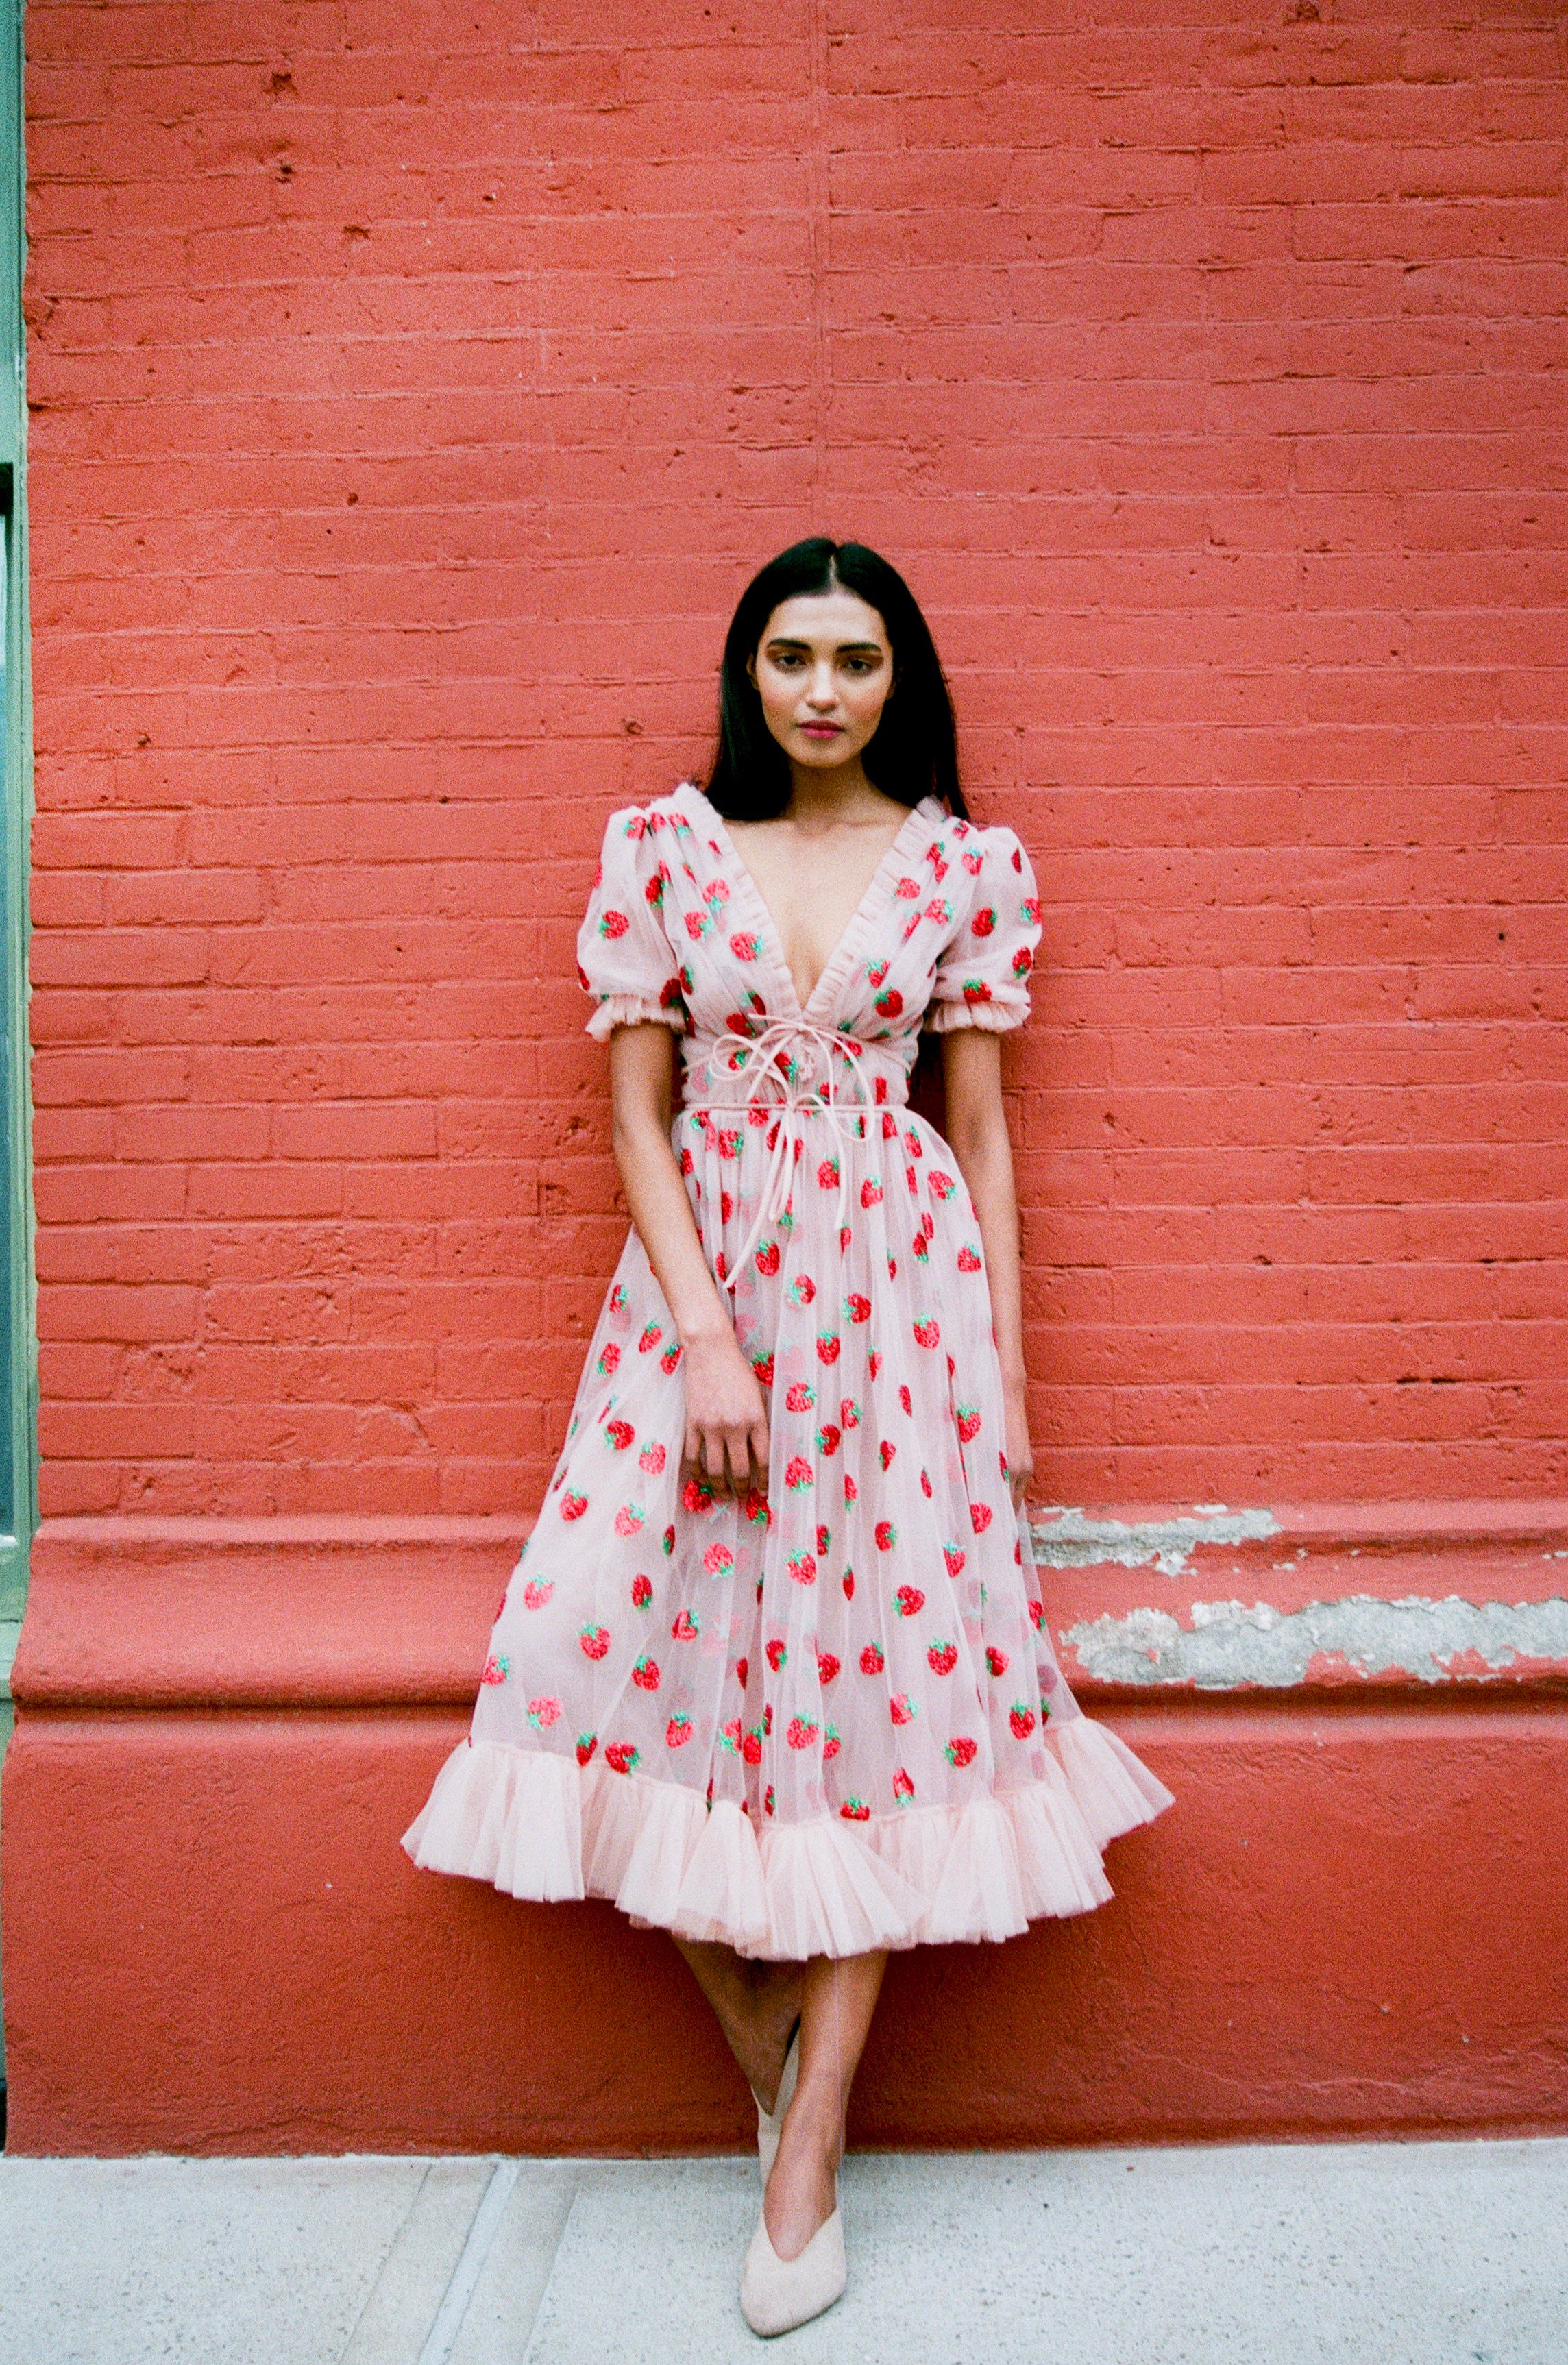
[826, 1718]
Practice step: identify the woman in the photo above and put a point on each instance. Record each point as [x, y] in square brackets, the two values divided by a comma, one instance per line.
[772, 1672]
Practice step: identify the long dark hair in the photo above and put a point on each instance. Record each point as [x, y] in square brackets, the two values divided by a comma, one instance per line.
[914, 752]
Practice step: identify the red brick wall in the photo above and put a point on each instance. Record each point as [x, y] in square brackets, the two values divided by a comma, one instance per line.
[414, 388]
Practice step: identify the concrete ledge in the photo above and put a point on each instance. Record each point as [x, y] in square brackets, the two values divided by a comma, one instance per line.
[337, 1612]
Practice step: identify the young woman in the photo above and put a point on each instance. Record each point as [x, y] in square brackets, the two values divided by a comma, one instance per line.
[773, 1671]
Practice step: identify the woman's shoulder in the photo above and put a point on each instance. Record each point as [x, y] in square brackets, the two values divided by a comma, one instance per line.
[675, 815]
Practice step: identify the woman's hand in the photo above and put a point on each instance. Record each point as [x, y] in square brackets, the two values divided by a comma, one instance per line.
[1020, 1453]
[727, 1416]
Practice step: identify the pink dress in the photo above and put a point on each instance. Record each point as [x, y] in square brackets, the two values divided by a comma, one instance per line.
[828, 1719]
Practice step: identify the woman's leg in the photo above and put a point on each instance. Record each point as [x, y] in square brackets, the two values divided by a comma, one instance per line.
[837, 2004]
[757, 2005]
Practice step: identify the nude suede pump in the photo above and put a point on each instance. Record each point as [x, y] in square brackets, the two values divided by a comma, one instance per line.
[779, 2295]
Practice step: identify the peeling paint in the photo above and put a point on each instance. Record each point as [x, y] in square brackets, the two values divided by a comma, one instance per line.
[1068, 1538]
[1231, 1646]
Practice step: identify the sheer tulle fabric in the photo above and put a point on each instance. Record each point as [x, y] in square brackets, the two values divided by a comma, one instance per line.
[827, 1720]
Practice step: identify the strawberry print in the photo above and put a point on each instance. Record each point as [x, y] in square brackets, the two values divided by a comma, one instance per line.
[866, 1335]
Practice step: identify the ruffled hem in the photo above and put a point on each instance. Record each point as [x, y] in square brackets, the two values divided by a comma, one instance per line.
[536, 1826]
[997, 1016]
[632, 1010]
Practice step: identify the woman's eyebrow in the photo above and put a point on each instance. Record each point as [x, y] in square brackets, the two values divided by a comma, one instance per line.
[842, 648]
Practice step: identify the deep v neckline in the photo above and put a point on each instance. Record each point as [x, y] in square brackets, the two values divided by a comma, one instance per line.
[841, 959]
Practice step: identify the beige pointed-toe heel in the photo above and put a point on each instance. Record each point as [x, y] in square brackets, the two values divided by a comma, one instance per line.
[779, 2295]
[770, 2124]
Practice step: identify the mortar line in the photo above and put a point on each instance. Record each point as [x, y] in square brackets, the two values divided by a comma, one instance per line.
[470, 2264]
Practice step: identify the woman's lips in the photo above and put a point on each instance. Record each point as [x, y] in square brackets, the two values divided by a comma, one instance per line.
[822, 730]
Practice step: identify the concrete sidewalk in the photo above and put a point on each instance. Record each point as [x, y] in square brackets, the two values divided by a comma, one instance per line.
[1396, 2253]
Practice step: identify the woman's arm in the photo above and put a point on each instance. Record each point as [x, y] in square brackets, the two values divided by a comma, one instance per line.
[977, 1128]
[727, 1416]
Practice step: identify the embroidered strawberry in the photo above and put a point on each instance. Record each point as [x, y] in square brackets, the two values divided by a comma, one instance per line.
[875, 974]
[827, 1174]
[909, 1601]
[887, 1536]
[856, 1308]
[827, 1439]
[848, 1582]
[976, 990]
[799, 1474]
[751, 1745]
[742, 1669]
[718, 1561]
[671, 1357]
[902, 1709]
[537, 1593]
[871, 1660]
[621, 1757]
[666, 1541]
[927, 1334]
[800, 1733]
[645, 1673]
[973, 864]
[902, 1786]
[652, 1458]
[677, 1732]
[1022, 962]
[613, 925]
[586, 1743]
[984, 921]
[1021, 1719]
[827, 1666]
[573, 1506]
[940, 1186]
[745, 948]
[696, 1496]
[856, 1811]
[886, 1450]
[969, 1259]
[730, 1734]
[1037, 1616]
[968, 1422]
[980, 1517]
[777, 1654]
[942, 1658]
[870, 1191]
[595, 1641]
[801, 1397]
[496, 1670]
[996, 1661]
[619, 1434]
[830, 1744]
[904, 1403]
[960, 1750]
[763, 1366]
[954, 1558]
[757, 1509]
[823, 1540]
[619, 1301]
[629, 1519]
[890, 1004]
[849, 1413]
[926, 1484]
[543, 1711]
[827, 1347]
[802, 1567]
[767, 1800]
[802, 1289]
[685, 1628]
[609, 1359]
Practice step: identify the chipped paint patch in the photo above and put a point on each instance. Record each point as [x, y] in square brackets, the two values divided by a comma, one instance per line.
[1068, 1538]
[1232, 1646]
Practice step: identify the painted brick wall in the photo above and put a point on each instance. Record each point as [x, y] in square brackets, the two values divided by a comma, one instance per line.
[413, 389]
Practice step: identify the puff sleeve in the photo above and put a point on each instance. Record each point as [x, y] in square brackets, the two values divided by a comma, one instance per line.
[625, 957]
[983, 972]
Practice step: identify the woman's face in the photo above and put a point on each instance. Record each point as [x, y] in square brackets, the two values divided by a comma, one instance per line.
[823, 669]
